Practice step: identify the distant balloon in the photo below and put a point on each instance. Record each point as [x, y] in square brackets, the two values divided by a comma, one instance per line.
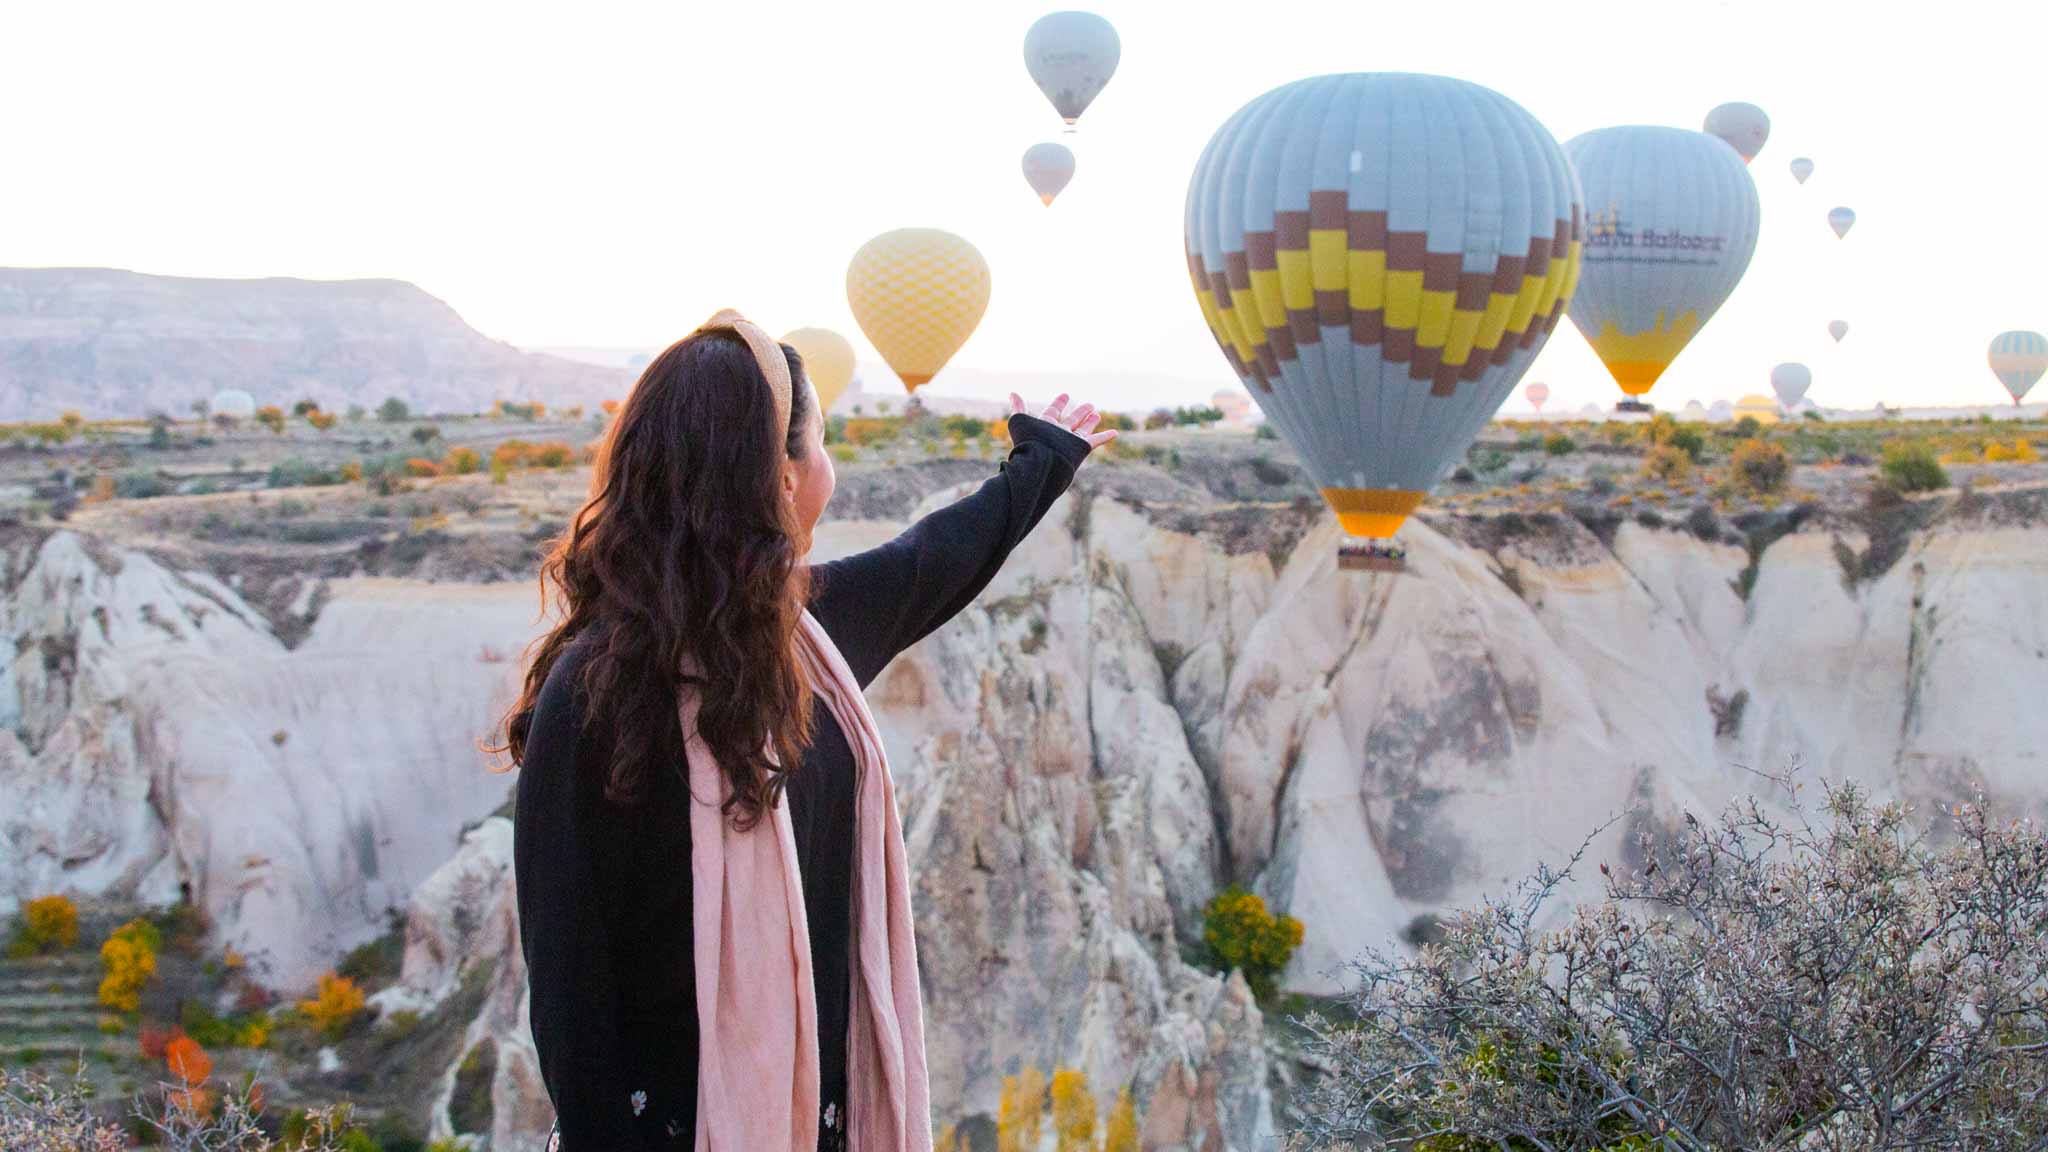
[1801, 168]
[1537, 393]
[1071, 56]
[1841, 220]
[1758, 408]
[232, 403]
[918, 294]
[1381, 256]
[1838, 329]
[1671, 222]
[2019, 359]
[828, 361]
[1790, 382]
[1047, 168]
[1743, 126]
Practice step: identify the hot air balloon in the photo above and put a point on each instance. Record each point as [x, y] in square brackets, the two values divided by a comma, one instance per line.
[1380, 257]
[828, 362]
[1671, 222]
[1841, 220]
[1047, 168]
[1838, 329]
[2019, 359]
[918, 294]
[1071, 56]
[1537, 393]
[1743, 126]
[232, 403]
[1801, 168]
[1790, 382]
[1758, 408]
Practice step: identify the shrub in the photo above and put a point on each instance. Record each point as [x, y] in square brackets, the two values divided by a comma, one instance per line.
[1120, 1134]
[1560, 445]
[335, 1007]
[1759, 467]
[1688, 440]
[964, 427]
[845, 453]
[2021, 452]
[610, 407]
[128, 958]
[462, 462]
[870, 430]
[1113, 422]
[296, 473]
[142, 484]
[1668, 463]
[1020, 1111]
[187, 1061]
[1747, 428]
[394, 411]
[553, 454]
[1240, 933]
[1200, 414]
[305, 408]
[321, 420]
[510, 455]
[422, 469]
[1073, 1111]
[48, 924]
[425, 434]
[271, 417]
[1264, 431]
[1910, 466]
[1158, 418]
[1835, 979]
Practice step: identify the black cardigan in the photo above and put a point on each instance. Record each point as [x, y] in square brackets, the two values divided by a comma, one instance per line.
[604, 891]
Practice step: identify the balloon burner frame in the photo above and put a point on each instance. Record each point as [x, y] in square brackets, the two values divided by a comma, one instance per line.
[1371, 556]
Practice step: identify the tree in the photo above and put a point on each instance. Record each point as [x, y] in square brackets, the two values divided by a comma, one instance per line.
[1825, 980]
[1073, 1111]
[1240, 933]
[322, 421]
[1120, 1134]
[305, 407]
[271, 417]
[1020, 1111]
[1759, 467]
[425, 434]
[1911, 466]
[335, 1007]
[394, 411]
[128, 958]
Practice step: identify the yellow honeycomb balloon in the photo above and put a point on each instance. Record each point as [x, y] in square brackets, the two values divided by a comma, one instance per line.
[918, 294]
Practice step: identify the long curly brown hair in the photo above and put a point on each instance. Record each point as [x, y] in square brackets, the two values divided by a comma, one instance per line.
[686, 556]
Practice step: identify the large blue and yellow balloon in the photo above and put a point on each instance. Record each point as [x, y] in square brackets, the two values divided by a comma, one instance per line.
[1380, 257]
[1671, 222]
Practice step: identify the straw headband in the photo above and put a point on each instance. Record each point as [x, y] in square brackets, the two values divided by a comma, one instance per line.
[768, 354]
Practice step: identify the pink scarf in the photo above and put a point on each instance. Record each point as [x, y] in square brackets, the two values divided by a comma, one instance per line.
[757, 1063]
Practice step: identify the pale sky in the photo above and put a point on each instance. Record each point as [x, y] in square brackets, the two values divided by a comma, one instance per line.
[610, 174]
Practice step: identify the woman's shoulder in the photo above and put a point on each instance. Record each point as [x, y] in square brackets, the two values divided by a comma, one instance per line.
[559, 710]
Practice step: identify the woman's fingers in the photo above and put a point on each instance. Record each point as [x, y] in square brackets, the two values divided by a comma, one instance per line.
[1098, 439]
[1016, 404]
[1055, 412]
[1085, 414]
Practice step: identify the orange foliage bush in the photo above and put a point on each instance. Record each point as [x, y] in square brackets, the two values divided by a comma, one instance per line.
[462, 462]
[187, 1061]
[336, 1006]
[424, 469]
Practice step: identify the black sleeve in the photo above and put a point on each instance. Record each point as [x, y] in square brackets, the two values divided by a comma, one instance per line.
[877, 603]
[569, 969]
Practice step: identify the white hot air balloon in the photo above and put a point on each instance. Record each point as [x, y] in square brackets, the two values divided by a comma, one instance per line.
[1743, 126]
[2019, 359]
[1790, 382]
[232, 403]
[1672, 221]
[1537, 393]
[1047, 168]
[1838, 329]
[1841, 220]
[1071, 56]
[1801, 168]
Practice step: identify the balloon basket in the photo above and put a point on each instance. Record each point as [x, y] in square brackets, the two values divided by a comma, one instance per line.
[1638, 407]
[1371, 556]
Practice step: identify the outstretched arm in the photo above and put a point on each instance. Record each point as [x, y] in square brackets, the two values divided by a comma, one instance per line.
[877, 603]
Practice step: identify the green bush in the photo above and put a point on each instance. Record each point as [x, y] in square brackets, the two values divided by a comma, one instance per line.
[1911, 466]
[1759, 467]
[1560, 445]
[1240, 933]
[393, 411]
[1689, 441]
[141, 484]
[296, 473]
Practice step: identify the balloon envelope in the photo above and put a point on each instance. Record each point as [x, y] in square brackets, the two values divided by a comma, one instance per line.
[1841, 220]
[918, 294]
[1790, 382]
[232, 402]
[2019, 359]
[1801, 168]
[1743, 126]
[1537, 393]
[1071, 56]
[1380, 257]
[828, 362]
[1047, 168]
[1671, 223]
[1838, 329]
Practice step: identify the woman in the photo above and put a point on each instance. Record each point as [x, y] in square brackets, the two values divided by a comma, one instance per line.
[718, 943]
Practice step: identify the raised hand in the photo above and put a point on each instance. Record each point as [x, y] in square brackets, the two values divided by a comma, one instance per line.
[1080, 420]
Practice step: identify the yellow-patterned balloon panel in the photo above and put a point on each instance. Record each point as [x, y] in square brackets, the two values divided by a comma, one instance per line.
[828, 361]
[918, 294]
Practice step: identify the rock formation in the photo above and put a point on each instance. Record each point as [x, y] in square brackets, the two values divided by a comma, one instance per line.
[1155, 699]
